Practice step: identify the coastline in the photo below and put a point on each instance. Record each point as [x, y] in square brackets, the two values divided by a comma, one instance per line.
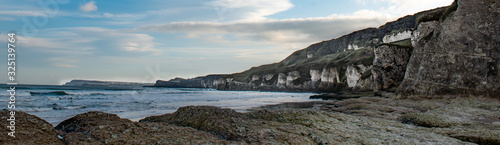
[364, 120]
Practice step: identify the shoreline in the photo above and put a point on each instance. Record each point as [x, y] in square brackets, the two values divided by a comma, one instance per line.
[365, 120]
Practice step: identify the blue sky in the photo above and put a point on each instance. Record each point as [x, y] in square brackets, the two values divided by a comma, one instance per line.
[143, 41]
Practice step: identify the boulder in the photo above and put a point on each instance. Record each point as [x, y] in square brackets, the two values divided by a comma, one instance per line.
[105, 128]
[29, 129]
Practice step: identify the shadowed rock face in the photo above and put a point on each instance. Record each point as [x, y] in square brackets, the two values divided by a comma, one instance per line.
[389, 67]
[458, 55]
[29, 129]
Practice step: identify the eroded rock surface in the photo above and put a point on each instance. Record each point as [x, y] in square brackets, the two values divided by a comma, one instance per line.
[389, 66]
[105, 128]
[29, 129]
[458, 55]
[299, 126]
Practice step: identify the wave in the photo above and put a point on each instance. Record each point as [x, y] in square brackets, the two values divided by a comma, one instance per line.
[56, 93]
[64, 93]
[57, 107]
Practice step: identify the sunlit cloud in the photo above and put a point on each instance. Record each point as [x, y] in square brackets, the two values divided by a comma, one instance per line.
[21, 13]
[89, 6]
[249, 10]
[288, 32]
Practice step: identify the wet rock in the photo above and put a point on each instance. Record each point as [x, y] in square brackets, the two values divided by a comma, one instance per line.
[105, 128]
[231, 125]
[341, 95]
[96, 125]
[29, 129]
[298, 126]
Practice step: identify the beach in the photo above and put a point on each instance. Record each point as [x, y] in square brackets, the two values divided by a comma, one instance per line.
[364, 120]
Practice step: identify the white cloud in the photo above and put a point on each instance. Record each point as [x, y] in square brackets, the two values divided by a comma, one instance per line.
[88, 7]
[63, 62]
[108, 15]
[21, 13]
[249, 10]
[78, 41]
[6, 19]
[287, 33]
[399, 8]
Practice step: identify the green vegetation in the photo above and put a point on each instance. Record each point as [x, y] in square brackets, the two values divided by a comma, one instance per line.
[402, 44]
[303, 64]
[428, 120]
[453, 7]
[436, 14]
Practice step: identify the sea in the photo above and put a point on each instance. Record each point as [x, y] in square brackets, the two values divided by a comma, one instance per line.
[57, 103]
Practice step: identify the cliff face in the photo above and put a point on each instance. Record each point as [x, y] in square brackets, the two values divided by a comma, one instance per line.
[339, 64]
[458, 54]
[391, 59]
[453, 50]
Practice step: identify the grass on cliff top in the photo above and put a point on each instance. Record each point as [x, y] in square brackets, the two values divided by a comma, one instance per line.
[438, 14]
[403, 43]
[341, 59]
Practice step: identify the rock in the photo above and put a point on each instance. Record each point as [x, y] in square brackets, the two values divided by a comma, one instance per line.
[389, 66]
[98, 126]
[29, 129]
[233, 126]
[299, 126]
[104, 128]
[341, 95]
[458, 55]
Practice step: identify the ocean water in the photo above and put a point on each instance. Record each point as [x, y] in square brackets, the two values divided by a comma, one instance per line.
[56, 105]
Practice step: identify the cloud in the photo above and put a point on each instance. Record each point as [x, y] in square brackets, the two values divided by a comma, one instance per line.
[88, 7]
[20, 13]
[63, 62]
[287, 33]
[399, 8]
[78, 41]
[6, 19]
[249, 10]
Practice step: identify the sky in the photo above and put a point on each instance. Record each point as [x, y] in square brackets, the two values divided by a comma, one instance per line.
[149, 40]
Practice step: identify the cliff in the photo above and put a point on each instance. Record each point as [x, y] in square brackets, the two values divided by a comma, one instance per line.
[457, 54]
[449, 50]
[94, 84]
[328, 66]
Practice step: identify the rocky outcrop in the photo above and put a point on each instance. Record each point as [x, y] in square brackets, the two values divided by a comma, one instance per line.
[457, 55]
[105, 128]
[180, 83]
[83, 83]
[209, 81]
[298, 126]
[389, 66]
[28, 129]
[350, 120]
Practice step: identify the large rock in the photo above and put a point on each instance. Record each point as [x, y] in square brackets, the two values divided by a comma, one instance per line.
[104, 128]
[29, 129]
[233, 126]
[457, 55]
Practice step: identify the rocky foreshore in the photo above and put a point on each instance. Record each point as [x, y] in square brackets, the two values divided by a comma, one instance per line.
[365, 120]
